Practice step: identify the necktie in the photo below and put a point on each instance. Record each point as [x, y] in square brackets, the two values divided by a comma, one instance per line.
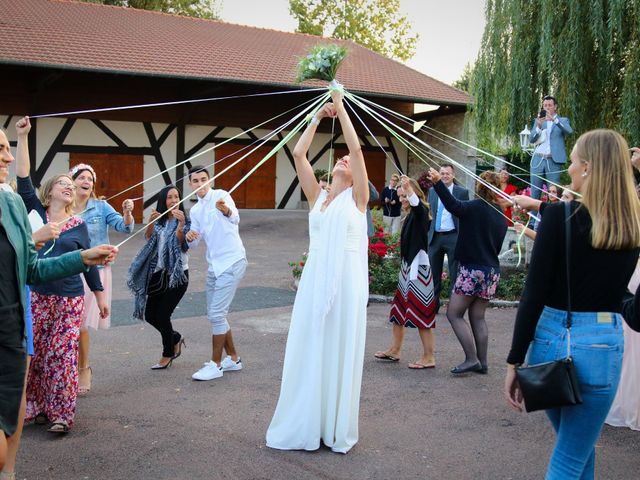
[439, 216]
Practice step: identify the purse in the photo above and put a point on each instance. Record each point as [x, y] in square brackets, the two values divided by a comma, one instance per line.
[158, 283]
[553, 384]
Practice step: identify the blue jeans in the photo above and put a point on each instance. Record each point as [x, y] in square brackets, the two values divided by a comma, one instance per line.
[596, 347]
[543, 167]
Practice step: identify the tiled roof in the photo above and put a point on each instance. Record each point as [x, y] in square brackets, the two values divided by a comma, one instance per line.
[86, 36]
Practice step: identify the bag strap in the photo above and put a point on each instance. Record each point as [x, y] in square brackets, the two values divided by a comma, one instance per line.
[567, 234]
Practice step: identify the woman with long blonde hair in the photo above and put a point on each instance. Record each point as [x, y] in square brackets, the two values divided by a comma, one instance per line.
[604, 248]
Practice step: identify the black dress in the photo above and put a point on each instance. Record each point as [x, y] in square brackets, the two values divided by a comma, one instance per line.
[13, 356]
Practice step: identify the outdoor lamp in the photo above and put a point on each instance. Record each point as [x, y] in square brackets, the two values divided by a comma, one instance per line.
[524, 138]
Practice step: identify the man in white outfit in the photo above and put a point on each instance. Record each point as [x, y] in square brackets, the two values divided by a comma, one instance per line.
[215, 219]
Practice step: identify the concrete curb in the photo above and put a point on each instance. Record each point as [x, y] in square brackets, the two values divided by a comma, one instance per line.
[375, 298]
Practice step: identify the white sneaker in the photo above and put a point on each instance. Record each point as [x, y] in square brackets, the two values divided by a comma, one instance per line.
[228, 365]
[209, 371]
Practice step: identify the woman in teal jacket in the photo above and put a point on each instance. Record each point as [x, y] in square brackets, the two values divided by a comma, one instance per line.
[19, 265]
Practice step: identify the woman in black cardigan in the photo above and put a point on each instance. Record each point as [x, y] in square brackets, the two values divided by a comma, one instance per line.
[414, 304]
[482, 231]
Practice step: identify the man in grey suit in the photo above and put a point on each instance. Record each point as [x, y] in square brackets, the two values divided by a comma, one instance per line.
[550, 154]
[443, 232]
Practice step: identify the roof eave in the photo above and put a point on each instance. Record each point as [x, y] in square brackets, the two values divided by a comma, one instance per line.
[401, 98]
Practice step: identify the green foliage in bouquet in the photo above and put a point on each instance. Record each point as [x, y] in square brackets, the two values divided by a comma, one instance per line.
[321, 63]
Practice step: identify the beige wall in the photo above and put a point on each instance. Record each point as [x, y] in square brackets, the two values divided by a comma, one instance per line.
[453, 125]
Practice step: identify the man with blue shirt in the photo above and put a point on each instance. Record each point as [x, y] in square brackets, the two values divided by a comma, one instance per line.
[443, 232]
[548, 132]
[215, 219]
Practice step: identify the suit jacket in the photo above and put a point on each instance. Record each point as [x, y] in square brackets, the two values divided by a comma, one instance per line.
[458, 192]
[558, 132]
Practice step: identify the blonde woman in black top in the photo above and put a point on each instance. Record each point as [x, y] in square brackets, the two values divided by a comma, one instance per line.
[605, 243]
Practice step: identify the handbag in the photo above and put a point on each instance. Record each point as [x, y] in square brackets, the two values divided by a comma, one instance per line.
[158, 283]
[553, 384]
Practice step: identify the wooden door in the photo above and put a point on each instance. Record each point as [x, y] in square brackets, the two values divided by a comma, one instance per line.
[257, 191]
[115, 173]
[375, 161]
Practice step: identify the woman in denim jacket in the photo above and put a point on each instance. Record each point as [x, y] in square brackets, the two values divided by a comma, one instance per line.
[98, 216]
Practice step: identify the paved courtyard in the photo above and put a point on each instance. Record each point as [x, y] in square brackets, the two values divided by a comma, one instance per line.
[143, 424]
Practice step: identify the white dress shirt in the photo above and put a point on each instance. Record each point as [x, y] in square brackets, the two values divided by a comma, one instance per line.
[446, 221]
[224, 246]
[545, 147]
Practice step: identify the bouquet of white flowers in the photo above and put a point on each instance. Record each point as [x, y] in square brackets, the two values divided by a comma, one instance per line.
[321, 63]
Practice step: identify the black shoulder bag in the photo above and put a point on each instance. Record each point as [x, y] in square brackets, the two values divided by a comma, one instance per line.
[553, 384]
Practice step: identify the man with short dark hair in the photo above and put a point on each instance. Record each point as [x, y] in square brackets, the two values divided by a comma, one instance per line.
[215, 219]
[443, 232]
[548, 133]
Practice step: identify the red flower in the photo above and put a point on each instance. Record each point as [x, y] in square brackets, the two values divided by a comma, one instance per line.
[302, 264]
[379, 249]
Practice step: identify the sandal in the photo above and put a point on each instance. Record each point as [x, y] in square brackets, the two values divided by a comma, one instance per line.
[386, 356]
[84, 388]
[41, 419]
[58, 427]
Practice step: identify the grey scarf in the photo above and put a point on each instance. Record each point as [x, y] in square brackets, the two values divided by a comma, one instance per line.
[144, 263]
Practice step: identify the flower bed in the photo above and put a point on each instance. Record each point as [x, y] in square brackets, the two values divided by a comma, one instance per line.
[384, 266]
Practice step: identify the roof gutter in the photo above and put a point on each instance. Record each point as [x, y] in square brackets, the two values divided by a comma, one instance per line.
[289, 86]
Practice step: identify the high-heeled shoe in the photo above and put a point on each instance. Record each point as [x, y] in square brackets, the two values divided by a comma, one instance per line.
[159, 366]
[181, 343]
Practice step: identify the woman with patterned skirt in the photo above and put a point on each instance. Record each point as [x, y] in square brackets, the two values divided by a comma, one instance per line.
[481, 232]
[58, 306]
[414, 303]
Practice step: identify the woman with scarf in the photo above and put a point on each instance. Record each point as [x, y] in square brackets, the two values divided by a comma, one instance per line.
[98, 216]
[414, 302]
[159, 274]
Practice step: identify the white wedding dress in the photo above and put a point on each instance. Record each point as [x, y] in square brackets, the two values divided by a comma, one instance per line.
[322, 374]
[625, 410]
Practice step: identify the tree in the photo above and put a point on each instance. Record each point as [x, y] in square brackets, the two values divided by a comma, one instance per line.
[464, 82]
[209, 9]
[374, 24]
[587, 54]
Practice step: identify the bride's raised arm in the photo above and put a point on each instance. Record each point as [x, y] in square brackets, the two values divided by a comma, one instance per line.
[356, 159]
[304, 170]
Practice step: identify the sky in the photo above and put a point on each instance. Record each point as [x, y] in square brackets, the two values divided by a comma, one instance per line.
[450, 30]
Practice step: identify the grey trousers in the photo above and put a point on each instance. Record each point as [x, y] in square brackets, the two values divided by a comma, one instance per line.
[440, 245]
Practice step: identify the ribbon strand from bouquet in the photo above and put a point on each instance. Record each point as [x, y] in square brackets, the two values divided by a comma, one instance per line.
[377, 116]
[176, 102]
[426, 127]
[207, 150]
[257, 140]
[277, 147]
[386, 154]
[314, 107]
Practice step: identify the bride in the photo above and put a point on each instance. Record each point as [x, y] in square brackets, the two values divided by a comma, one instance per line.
[322, 374]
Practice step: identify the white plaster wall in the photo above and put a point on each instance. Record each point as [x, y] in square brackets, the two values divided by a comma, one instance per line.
[84, 132]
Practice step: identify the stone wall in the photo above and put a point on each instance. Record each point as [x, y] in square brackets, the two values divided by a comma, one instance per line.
[453, 125]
